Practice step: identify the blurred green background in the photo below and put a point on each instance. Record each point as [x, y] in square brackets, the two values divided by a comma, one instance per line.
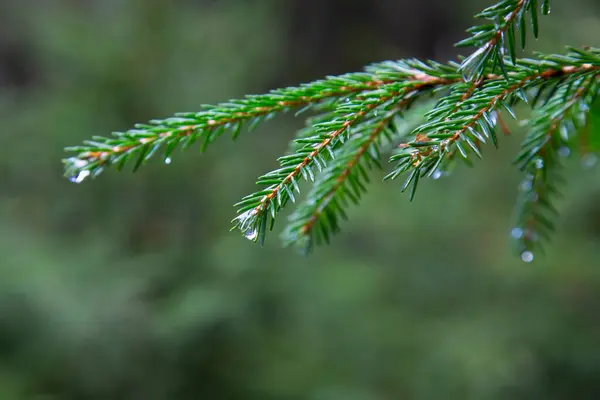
[132, 287]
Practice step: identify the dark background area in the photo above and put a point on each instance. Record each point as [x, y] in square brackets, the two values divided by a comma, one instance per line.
[132, 287]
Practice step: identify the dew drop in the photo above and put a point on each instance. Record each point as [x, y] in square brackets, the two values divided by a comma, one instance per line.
[564, 152]
[539, 163]
[516, 233]
[527, 256]
[80, 176]
[168, 160]
[564, 132]
[251, 234]
[437, 175]
[245, 221]
[526, 185]
[546, 8]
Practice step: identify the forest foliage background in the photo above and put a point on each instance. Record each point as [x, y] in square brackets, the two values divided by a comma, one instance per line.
[132, 287]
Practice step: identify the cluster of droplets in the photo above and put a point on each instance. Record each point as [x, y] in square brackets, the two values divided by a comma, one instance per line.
[246, 222]
[77, 165]
[519, 234]
[528, 235]
[78, 173]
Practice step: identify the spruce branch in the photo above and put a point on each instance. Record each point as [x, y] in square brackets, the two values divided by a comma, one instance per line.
[360, 116]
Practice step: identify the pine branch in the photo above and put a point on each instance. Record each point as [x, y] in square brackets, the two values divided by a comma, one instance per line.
[361, 113]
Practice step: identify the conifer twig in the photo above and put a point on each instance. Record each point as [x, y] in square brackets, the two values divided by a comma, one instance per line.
[361, 112]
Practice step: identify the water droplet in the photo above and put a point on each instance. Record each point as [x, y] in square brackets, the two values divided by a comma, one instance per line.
[539, 163]
[168, 160]
[546, 8]
[80, 176]
[564, 132]
[251, 234]
[437, 174]
[564, 152]
[246, 221]
[526, 185]
[589, 160]
[347, 99]
[527, 256]
[516, 233]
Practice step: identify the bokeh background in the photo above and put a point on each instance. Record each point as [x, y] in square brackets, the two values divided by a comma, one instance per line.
[132, 287]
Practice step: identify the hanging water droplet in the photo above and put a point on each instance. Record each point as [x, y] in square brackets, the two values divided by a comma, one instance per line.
[80, 177]
[546, 7]
[168, 160]
[245, 221]
[589, 160]
[251, 234]
[347, 99]
[526, 185]
[539, 163]
[564, 152]
[527, 256]
[437, 175]
[516, 233]
[564, 132]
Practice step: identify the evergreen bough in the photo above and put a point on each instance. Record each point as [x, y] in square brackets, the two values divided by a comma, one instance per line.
[361, 115]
